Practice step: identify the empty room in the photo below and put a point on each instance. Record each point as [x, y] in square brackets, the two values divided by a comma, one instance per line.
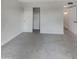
[38, 29]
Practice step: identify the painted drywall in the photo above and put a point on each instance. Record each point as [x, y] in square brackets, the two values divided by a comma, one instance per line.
[51, 17]
[52, 20]
[11, 17]
[36, 18]
[27, 22]
[69, 20]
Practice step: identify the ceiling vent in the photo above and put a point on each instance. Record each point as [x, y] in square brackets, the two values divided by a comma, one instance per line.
[70, 3]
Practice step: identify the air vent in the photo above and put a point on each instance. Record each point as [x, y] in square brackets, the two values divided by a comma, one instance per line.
[70, 3]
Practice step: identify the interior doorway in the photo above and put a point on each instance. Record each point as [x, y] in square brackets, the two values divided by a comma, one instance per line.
[36, 19]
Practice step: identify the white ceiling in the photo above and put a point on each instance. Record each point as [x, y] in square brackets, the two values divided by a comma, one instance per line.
[43, 4]
[44, 0]
[35, 2]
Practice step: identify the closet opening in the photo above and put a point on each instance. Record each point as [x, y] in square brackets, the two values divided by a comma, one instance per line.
[36, 19]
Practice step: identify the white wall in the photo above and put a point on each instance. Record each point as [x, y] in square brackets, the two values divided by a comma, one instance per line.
[69, 20]
[51, 17]
[52, 20]
[27, 22]
[11, 18]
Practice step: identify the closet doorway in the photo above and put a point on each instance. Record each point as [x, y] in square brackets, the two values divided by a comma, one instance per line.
[36, 19]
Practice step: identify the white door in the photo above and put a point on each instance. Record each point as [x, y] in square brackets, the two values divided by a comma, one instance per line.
[73, 20]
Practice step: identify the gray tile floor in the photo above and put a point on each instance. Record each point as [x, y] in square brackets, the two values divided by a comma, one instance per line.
[40, 46]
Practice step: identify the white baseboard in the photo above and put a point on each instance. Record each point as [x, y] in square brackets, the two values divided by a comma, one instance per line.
[52, 33]
[10, 39]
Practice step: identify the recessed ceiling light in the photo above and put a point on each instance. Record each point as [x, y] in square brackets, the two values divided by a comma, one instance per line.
[65, 13]
[65, 6]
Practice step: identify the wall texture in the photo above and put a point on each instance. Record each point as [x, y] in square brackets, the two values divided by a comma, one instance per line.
[52, 20]
[28, 20]
[11, 17]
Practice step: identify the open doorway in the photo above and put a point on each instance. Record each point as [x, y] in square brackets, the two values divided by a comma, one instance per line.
[36, 19]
